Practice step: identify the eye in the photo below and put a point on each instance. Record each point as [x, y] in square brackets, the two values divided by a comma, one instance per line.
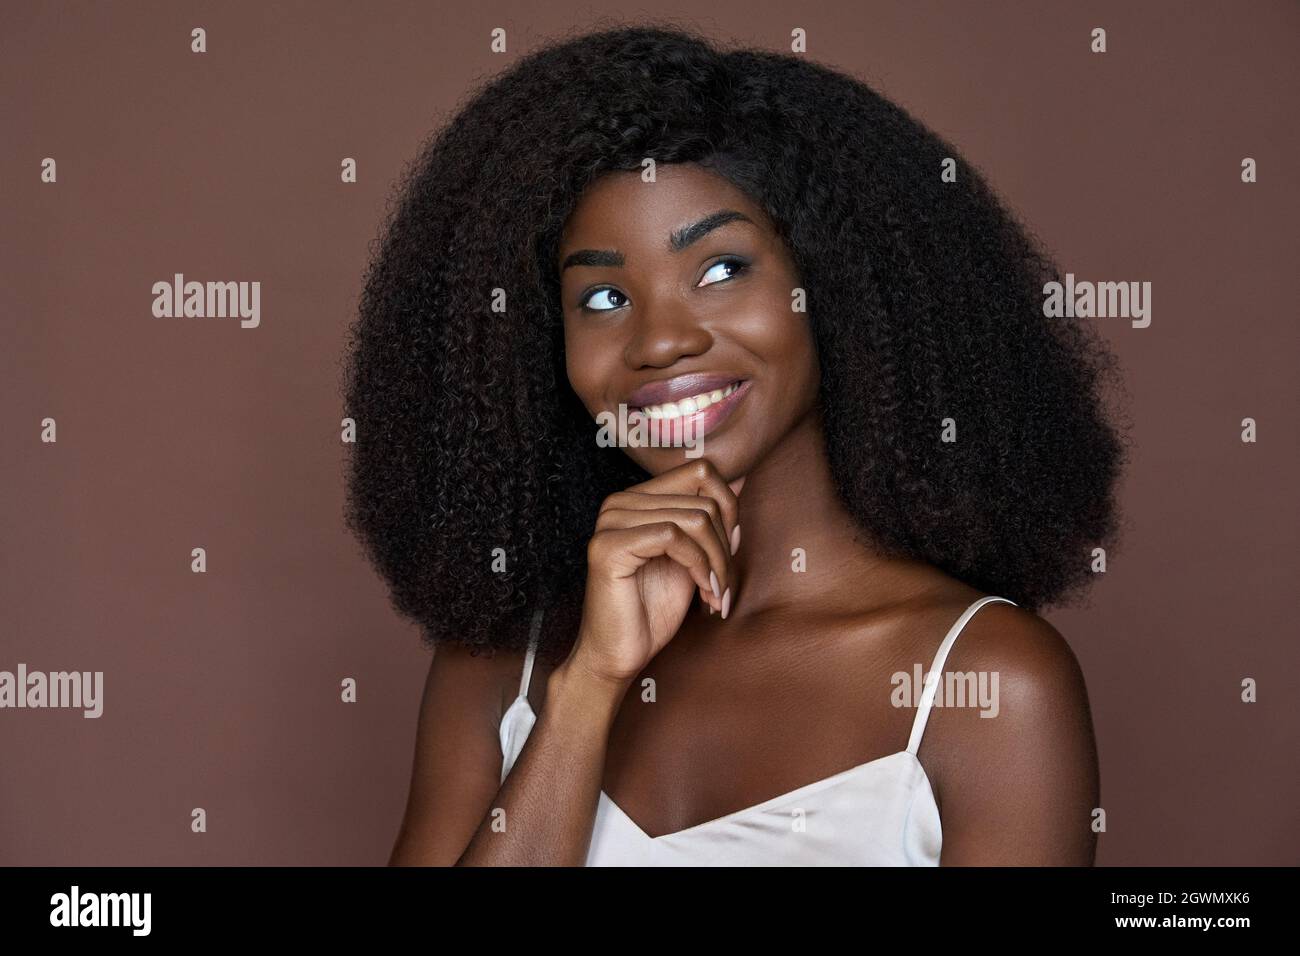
[591, 297]
[737, 266]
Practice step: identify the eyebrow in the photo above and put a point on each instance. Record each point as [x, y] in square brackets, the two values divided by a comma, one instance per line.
[679, 240]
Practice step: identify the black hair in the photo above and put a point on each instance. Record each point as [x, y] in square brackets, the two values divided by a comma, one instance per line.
[925, 299]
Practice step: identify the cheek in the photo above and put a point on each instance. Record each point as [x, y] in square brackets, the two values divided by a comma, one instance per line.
[781, 338]
[806, 349]
[582, 364]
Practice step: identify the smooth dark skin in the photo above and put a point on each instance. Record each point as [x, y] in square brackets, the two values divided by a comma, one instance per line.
[794, 686]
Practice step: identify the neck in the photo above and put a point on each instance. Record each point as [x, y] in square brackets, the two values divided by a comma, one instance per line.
[790, 502]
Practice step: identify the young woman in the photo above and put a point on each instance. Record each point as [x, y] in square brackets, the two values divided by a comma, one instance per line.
[707, 652]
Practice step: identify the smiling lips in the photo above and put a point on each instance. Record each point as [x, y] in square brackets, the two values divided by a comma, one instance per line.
[689, 405]
[699, 402]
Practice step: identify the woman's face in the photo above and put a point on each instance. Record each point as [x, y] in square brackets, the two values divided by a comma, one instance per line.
[685, 317]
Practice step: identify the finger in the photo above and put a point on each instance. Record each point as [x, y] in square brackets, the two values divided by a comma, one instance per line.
[699, 477]
[706, 601]
[643, 501]
[626, 550]
[692, 521]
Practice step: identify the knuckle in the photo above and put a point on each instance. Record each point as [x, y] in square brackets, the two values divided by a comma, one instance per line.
[703, 468]
[699, 520]
[671, 532]
[597, 545]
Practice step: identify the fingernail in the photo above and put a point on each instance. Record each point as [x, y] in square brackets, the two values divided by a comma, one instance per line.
[735, 539]
[726, 603]
[713, 580]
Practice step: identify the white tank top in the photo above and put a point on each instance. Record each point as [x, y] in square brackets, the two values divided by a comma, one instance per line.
[880, 813]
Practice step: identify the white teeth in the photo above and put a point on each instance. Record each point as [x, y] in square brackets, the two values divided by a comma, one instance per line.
[689, 406]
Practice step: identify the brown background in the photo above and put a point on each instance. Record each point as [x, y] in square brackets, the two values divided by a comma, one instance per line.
[222, 690]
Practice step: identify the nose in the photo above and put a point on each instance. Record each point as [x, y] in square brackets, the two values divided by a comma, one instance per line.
[664, 334]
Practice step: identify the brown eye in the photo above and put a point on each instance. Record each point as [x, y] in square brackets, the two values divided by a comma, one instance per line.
[737, 266]
[587, 299]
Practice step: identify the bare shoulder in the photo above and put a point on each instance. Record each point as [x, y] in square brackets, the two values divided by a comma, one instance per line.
[1034, 660]
[483, 680]
[1016, 768]
[1035, 688]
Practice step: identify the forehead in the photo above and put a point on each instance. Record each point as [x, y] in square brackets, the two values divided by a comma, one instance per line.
[619, 208]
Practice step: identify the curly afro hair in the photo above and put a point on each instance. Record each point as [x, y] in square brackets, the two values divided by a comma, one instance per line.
[925, 299]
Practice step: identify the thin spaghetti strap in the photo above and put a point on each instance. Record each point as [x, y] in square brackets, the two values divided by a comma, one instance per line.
[935, 675]
[531, 654]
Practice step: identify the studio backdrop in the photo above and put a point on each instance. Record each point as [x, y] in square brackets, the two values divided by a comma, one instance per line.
[171, 516]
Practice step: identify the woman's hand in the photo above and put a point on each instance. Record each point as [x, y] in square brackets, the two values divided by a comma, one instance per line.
[656, 545]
